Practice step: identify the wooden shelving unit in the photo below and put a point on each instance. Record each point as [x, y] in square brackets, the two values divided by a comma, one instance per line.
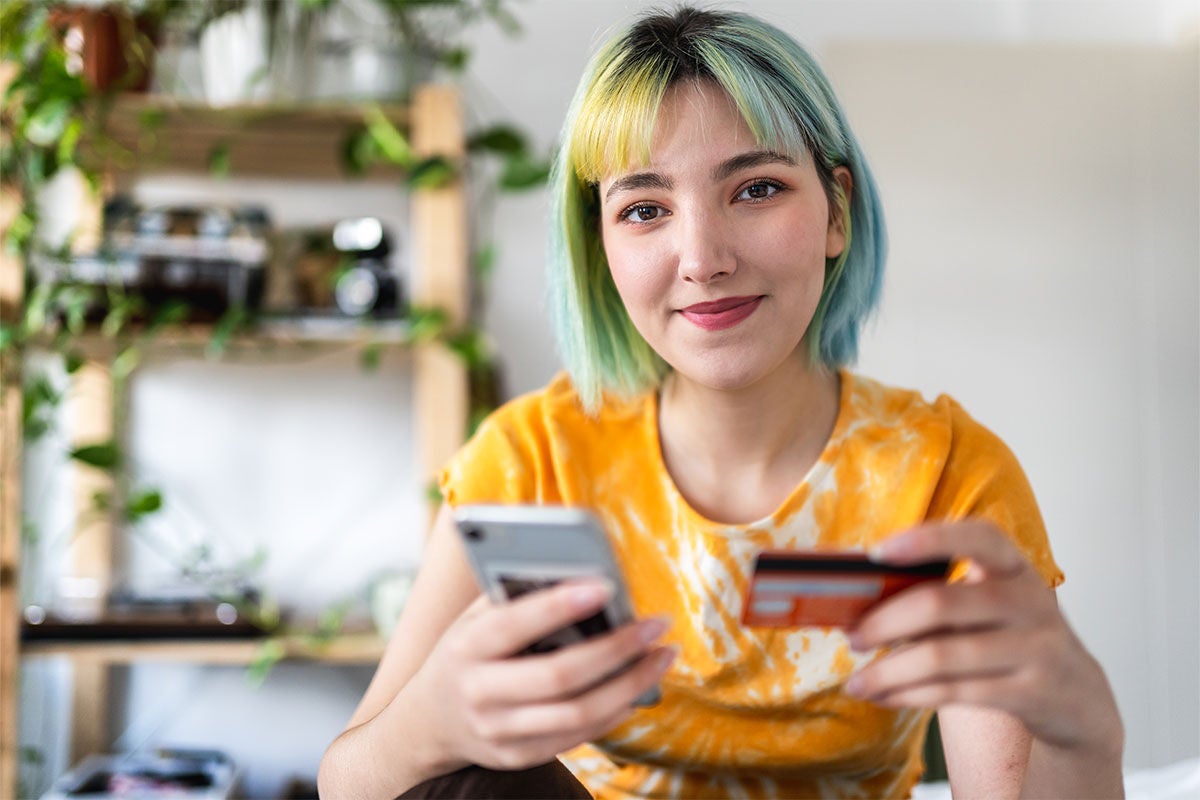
[349, 649]
[267, 142]
[288, 142]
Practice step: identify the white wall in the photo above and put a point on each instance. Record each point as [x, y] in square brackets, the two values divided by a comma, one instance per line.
[1044, 271]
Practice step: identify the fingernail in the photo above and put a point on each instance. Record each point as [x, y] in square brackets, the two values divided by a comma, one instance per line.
[666, 657]
[651, 629]
[590, 595]
[854, 686]
[889, 548]
[856, 642]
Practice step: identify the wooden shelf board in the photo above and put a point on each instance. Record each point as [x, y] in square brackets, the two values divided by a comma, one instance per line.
[296, 142]
[281, 332]
[363, 649]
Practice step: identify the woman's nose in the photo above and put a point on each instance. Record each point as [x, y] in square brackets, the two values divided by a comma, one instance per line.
[706, 249]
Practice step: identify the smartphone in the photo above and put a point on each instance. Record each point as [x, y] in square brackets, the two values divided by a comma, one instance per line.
[794, 589]
[517, 549]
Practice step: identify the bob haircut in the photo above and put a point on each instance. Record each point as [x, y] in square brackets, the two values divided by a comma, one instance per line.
[789, 106]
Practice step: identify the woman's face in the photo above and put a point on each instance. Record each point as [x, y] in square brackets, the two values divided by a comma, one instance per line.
[718, 246]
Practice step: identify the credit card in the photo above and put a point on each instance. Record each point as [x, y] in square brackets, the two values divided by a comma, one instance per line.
[796, 589]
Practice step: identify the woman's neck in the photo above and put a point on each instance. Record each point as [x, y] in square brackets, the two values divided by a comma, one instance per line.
[736, 455]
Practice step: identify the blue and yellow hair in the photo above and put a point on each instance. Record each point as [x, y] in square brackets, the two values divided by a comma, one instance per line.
[790, 107]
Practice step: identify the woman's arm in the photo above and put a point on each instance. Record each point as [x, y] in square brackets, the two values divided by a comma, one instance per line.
[994, 655]
[987, 751]
[351, 765]
[450, 691]
[990, 754]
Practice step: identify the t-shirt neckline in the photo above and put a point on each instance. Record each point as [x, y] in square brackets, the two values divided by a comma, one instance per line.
[795, 500]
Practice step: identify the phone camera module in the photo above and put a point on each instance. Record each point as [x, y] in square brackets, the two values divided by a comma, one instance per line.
[474, 534]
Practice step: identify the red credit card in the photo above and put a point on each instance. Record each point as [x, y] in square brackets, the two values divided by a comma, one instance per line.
[795, 589]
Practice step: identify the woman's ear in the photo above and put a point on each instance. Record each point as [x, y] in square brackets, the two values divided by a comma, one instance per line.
[839, 212]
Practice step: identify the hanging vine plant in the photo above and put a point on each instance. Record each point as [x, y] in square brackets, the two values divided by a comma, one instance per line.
[52, 118]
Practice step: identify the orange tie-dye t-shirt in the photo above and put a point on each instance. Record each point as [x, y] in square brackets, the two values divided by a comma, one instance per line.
[750, 712]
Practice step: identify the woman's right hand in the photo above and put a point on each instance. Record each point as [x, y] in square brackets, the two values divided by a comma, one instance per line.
[489, 706]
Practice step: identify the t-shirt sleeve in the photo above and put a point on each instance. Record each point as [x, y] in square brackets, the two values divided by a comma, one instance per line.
[982, 478]
[492, 467]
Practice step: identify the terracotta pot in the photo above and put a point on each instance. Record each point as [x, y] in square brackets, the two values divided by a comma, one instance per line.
[114, 50]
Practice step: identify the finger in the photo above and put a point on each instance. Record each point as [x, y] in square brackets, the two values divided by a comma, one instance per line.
[995, 691]
[933, 608]
[507, 628]
[976, 539]
[477, 607]
[567, 672]
[938, 659]
[586, 711]
[523, 752]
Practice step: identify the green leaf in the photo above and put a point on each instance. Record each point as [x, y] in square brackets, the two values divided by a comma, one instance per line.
[471, 346]
[73, 361]
[75, 301]
[503, 18]
[38, 402]
[431, 173]
[19, 232]
[126, 362]
[268, 613]
[122, 308]
[173, 312]
[426, 324]
[521, 172]
[48, 121]
[224, 330]
[484, 262]
[219, 160]
[70, 138]
[254, 563]
[151, 119]
[105, 456]
[330, 622]
[29, 533]
[455, 59]
[37, 309]
[371, 356]
[8, 337]
[32, 756]
[358, 151]
[143, 504]
[433, 494]
[269, 653]
[387, 137]
[503, 139]
[102, 501]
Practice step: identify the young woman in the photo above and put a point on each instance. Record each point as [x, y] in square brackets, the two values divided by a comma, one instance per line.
[716, 243]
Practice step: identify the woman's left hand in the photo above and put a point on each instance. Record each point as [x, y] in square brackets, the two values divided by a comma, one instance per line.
[995, 639]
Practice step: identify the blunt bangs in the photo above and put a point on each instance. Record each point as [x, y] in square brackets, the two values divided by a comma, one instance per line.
[616, 121]
[789, 106]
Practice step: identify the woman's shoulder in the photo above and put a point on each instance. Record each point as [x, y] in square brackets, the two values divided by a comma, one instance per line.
[883, 410]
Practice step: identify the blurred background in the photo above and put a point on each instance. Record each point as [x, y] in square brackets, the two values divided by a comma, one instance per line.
[1039, 162]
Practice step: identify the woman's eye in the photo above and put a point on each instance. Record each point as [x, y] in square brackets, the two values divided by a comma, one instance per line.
[759, 190]
[641, 213]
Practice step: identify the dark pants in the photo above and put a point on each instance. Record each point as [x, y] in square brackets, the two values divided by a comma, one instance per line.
[550, 781]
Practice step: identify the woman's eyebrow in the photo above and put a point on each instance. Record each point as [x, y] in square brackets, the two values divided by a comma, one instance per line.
[747, 160]
[639, 180]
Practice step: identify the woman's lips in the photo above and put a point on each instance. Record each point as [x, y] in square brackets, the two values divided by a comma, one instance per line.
[720, 314]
